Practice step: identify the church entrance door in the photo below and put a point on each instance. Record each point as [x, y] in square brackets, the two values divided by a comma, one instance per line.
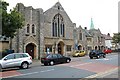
[30, 49]
[61, 48]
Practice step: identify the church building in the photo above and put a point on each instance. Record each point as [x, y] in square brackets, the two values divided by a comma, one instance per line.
[51, 32]
[44, 32]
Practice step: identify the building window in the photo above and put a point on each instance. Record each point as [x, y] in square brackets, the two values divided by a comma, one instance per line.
[80, 36]
[58, 26]
[89, 48]
[53, 29]
[33, 28]
[69, 47]
[48, 48]
[89, 39]
[28, 28]
[63, 31]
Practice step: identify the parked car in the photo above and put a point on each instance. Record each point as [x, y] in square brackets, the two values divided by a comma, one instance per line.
[79, 53]
[97, 54]
[52, 59]
[21, 60]
[107, 51]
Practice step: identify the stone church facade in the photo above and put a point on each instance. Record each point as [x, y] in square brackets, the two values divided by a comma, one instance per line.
[50, 31]
[46, 32]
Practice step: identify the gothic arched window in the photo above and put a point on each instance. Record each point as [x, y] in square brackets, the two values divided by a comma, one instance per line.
[33, 28]
[28, 28]
[58, 28]
[80, 35]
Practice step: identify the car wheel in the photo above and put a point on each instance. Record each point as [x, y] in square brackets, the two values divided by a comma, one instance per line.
[24, 65]
[67, 60]
[51, 63]
[91, 57]
[104, 56]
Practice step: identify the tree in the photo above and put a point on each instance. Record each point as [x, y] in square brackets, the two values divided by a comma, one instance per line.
[11, 21]
[116, 38]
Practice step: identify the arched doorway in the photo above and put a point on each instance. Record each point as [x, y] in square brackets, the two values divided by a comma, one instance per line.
[61, 47]
[30, 49]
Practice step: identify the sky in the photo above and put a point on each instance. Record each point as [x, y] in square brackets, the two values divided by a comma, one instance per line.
[103, 12]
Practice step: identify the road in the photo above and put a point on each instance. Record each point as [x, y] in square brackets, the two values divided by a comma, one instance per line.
[78, 68]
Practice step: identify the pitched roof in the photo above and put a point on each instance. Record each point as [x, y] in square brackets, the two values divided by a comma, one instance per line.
[87, 33]
[107, 37]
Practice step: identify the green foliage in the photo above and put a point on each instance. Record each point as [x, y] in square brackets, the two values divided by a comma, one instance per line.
[11, 22]
[116, 38]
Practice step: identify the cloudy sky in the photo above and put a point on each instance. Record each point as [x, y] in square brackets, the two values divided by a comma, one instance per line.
[103, 12]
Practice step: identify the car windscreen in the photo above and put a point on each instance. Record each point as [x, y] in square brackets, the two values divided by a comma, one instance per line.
[2, 55]
[49, 56]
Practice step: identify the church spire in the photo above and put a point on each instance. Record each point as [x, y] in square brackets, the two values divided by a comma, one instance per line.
[92, 25]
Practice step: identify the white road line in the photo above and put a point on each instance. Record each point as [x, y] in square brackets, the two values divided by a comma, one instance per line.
[47, 70]
[102, 73]
[21, 75]
[103, 59]
[108, 58]
[29, 73]
[80, 64]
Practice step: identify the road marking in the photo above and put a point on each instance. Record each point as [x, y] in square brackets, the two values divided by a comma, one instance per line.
[81, 64]
[29, 73]
[103, 59]
[102, 73]
[47, 70]
[21, 75]
[106, 58]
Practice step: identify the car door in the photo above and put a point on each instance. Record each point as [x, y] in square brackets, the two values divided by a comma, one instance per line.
[55, 58]
[18, 59]
[8, 61]
[61, 58]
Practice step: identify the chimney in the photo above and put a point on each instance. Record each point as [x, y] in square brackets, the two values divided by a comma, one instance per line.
[85, 28]
[108, 34]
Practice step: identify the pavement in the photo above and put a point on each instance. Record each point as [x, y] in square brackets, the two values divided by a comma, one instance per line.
[36, 63]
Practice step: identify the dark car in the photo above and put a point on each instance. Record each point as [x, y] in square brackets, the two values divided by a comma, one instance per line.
[97, 54]
[52, 59]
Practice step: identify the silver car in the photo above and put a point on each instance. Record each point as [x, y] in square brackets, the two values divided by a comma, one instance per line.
[21, 60]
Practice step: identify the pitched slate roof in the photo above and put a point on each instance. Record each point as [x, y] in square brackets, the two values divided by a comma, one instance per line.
[107, 37]
[87, 33]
